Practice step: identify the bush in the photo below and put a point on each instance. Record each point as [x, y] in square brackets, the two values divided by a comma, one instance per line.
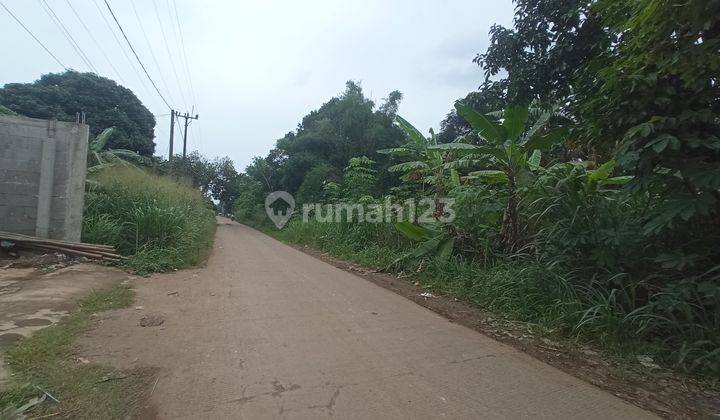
[311, 190]
[586, 225]
[6, 111]
[160, 224]
[632, 286]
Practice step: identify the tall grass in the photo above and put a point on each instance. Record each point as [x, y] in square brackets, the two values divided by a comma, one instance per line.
[374, 245]
[158, 223]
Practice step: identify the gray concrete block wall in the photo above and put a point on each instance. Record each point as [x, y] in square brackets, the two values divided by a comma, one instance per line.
[42, 177]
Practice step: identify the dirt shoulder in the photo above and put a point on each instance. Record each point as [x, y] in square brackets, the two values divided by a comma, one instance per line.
[42, 312]
[664, 392]
[32, 298]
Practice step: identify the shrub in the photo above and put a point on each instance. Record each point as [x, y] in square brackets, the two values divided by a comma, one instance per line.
[311, 190]
[632, 286]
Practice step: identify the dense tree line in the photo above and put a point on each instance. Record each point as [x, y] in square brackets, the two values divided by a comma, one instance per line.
[347, 126]
[217, 179]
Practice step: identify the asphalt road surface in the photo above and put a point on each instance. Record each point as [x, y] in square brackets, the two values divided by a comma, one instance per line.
[265, 331]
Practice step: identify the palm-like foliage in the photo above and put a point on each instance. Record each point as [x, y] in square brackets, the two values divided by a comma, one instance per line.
[511, 150]
[99, 157]
[421, 161]
[431, 240]
[418, 162]
[428, 166]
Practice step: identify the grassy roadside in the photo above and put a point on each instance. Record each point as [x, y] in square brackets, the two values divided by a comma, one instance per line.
[512, 289]
[45, 362]
[515, 290]
[157, 222]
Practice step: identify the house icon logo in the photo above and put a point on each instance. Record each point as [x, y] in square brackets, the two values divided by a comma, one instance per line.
[279, 206]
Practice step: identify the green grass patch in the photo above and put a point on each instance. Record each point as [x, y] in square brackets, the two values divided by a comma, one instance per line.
[371, 245]
[158, 223]
[45, 362]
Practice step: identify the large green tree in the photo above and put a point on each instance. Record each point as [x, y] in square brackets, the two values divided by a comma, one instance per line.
[655, 100]
[537, 60]
[216, 179]
[104, 102]
[639, 79]
[538, 57]
[346, 126]
[225, 185]
[195, 169]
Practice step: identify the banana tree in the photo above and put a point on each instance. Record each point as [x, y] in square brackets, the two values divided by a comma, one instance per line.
[427, 166]
[99, 157]
[513, 151]
[431, 240]
[420, 162]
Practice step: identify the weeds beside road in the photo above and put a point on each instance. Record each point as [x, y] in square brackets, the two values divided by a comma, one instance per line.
[519, 289]
[158, 223]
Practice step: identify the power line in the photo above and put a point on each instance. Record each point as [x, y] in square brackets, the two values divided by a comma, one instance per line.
[58, 23]
[33, 36]
[177, 120]
[97, 44]
[122, 31]
[186, 66]
[178, 46]
[150, 48]
[120, 45]
[167, 49]
[184, 54]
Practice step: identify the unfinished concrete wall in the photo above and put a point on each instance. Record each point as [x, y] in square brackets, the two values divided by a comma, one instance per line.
[42, 177]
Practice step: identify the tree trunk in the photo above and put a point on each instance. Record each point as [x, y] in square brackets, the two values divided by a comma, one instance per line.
[439, 193]
[509, 230]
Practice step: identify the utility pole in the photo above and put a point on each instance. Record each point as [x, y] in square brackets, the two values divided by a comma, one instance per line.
[187, 121]
[172, 133]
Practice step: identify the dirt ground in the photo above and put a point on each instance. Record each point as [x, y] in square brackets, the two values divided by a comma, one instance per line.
[32, 298]
[266, 331]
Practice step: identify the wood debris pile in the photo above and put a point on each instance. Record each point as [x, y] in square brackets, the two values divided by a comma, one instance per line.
[94, 251]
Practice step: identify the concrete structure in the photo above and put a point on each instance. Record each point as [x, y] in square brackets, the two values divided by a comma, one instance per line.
[42, 177]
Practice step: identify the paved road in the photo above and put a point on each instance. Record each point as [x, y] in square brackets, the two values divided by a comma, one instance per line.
[265, 331]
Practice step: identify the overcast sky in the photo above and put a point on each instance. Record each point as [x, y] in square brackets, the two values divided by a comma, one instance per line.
[258, 67]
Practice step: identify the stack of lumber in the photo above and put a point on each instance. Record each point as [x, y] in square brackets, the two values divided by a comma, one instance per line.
[95, 251]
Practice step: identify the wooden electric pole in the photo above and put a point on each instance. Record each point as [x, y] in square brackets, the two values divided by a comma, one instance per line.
[172, 133]
[187, 121]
